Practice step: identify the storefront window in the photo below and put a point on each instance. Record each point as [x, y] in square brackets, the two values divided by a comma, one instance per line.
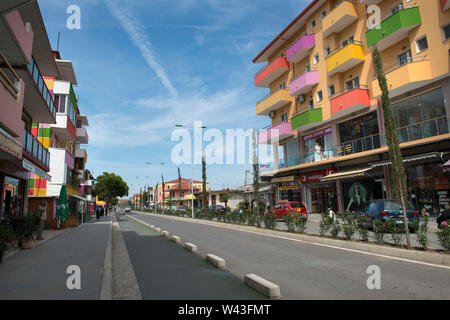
[357, 194]
[421, 116]
[360, 134]
[290, 192]
[12, 199]
[317, 146]
[322, 197]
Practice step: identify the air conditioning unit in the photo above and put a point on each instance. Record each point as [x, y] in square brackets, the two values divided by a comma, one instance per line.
[301, 98]
[272, 114]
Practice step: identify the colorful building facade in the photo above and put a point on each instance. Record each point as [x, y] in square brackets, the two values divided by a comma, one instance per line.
[324, 102]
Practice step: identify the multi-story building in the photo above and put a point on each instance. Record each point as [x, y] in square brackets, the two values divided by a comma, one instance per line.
[63, 140]
[324, 103]
[25, 56]
[179, 192]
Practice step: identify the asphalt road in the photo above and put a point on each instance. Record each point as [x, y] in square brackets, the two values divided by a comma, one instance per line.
[308, 271]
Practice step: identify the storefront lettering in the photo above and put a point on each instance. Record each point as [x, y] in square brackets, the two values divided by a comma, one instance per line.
[317, 134]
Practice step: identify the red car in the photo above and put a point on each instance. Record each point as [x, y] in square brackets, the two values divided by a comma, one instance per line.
[283, 208]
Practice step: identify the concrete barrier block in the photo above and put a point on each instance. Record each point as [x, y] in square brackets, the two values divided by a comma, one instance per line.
[152, 226]
[190, 247]
[165, 233]
[216, 261]
[158, 229]
[175, 239]
[267, 288]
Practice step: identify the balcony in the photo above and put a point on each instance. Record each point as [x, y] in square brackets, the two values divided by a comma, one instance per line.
[11, 97]
[350, 99]
[282, 164]
[303, 83]
[38, 100]
[404, 76]
[345, 58]
[272, 102]
[64, 128]
[445, 4]
[82, 136]
[340, 17]
[275, 133]
[370, 2]
[271, 72]
[35, 151]
[394, 28]
[306, 117]
[81, 153]
[425, 129]
[300, 48]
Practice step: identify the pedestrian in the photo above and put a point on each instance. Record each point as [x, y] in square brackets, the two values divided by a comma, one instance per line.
[106, 211]
[98, 212]
[42, 213]
[102, 212]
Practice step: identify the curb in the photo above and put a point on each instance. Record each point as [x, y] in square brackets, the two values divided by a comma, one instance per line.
[175, 239]
[361, 247]
[216, 261]
[165, 233]
[106, 284]
[267, 288]
[190, 247]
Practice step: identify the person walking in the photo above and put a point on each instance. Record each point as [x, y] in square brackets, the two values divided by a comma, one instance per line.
[98, 212]
[42, 213]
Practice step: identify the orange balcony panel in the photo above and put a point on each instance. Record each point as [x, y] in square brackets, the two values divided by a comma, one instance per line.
[352, 98]
[271, 72]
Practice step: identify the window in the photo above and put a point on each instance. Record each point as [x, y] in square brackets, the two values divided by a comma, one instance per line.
[316, 59]
[282, 85]
[327, 51]
[284, 117]
[323, 14]
[300, 98]
[404, 58]
[313, 23]
[62, 103]
[347, 41]
[319, 96]
[331, 90]
[308, 68]
[421, 44]
[351, 84]
[446, 32]
[311, 104]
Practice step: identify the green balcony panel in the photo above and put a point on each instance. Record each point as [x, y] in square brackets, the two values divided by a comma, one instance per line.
[307, 117]
[394, 28]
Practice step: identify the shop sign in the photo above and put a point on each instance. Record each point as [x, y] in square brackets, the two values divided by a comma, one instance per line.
[314, 177]
[283, 179]
[286, 188]
[318, 134]
[32, 168]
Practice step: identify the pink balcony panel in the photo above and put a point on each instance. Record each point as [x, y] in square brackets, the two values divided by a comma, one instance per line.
[303, 83]
[300, 48]
[23, 33]
[278, 132]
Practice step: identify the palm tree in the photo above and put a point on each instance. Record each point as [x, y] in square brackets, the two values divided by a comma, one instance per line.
[204, 191]
[398, 173]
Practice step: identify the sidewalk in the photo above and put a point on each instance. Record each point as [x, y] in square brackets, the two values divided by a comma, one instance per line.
[40, 273]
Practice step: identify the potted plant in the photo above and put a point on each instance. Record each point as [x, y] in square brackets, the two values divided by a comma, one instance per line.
[27, 230]
[5, 236]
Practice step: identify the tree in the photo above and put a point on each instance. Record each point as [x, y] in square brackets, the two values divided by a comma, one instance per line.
[110, 186]
[204, 191]
[398, 173]
[179, 178]
[255, 171]
[163, 191]
[225, 198]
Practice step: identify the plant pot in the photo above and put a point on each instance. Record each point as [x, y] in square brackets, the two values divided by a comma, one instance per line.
[27, 244]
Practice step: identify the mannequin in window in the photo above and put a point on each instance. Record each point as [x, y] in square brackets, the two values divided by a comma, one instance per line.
[318, 152]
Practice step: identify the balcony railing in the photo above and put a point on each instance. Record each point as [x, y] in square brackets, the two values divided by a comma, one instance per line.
[340, 93]
[269, 95]
[42, 87]
[401, 63]
[425, 129]
[8, 81]
[36, 149]
[399, 8]
[359, 43]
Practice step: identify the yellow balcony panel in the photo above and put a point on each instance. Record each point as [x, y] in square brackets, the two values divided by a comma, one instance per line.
[273, 102]
[345, 58]
[408, 75]
[340, 17]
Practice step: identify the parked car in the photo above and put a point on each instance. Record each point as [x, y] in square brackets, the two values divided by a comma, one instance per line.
[443, 216]
[218, 207]
[182, 208]
[385, 209]
[283, 208]
[127, 209]
[173, 208]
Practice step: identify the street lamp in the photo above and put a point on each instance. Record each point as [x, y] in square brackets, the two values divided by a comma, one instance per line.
[192, 179]
[160, 164]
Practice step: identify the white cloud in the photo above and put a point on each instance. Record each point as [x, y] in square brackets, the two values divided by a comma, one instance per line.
[140, 40]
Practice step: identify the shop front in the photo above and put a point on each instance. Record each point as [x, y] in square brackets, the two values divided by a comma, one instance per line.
[13, 190]
[317, 146]
[288, 189]
[319, 196]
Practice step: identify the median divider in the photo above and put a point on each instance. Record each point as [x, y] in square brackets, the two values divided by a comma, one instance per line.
[165, 233]
[216, 261]
[190, 247]
[175, 239]
[158, 229]
[267, 288]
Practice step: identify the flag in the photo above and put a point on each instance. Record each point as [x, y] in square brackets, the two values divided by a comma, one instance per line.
[62, 210]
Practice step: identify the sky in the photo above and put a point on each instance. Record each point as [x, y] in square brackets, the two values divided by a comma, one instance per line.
[144, 66]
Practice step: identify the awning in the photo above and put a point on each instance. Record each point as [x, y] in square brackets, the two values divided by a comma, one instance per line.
[77, 197]
[446, 166]
[34, 169]
[408, 159]
[189, 197]
[346, 175]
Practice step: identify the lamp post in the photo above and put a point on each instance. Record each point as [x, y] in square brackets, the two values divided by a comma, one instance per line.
[160, 164]
[192, 178]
